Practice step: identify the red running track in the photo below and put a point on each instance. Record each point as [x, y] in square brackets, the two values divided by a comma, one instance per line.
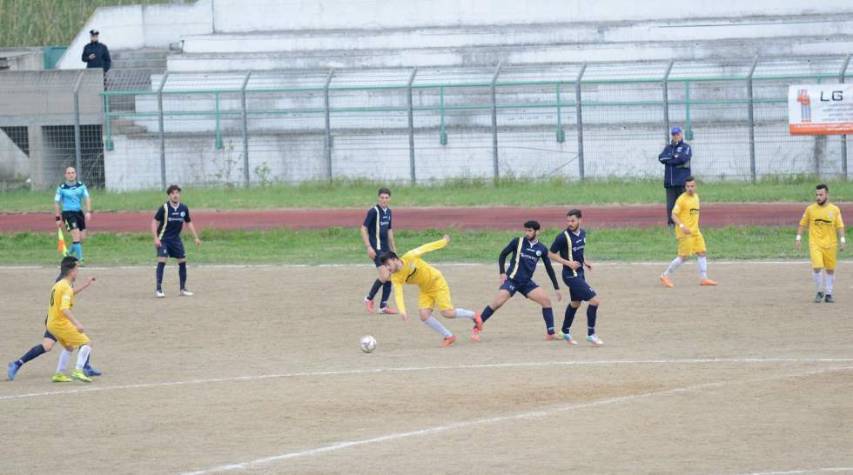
[643, 216]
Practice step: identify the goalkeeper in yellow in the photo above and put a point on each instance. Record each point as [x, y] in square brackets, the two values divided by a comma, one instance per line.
[410, 268]
[826, 230]
[685, 215]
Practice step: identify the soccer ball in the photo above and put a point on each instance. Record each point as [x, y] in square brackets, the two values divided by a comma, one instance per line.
[368, 344]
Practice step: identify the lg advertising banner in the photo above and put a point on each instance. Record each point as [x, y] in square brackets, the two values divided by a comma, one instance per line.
[820, 109]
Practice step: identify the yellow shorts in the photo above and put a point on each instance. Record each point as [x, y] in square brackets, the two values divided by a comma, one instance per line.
[67, 335]
[823, 257]
[438, 296]
[690, 245]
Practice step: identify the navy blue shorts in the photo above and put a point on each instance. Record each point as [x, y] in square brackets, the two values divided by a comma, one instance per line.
[525, 288]
[173, 248]
[579, 289]
[376, 259]
[47, 334]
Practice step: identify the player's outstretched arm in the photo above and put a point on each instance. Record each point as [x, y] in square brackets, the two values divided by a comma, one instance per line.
[429, 247]
[85, 286]
[401, 302]
[505, 252]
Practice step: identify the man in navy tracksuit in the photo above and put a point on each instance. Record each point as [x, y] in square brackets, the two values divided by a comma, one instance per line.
[95, 54]
[526, 252]
[676, 161]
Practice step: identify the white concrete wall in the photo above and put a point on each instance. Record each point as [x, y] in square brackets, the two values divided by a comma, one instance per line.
[269, 15]
[140, 26]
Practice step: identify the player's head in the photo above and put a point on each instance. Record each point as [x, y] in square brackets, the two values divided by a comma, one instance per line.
[93, 35]
[573, 219]
[676, 134]
[821, 194]
[70, 175]
[174, 192]
[68, 268]
[390, 261]
[384, 197]
[690, 185]
[531, 229]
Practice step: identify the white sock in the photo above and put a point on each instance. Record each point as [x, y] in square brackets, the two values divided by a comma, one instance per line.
[675, 264]
[463, 313]
[829, 281]
[703, 266]
[437, 326]
[82, 356]
[64, 357]
[818, 281]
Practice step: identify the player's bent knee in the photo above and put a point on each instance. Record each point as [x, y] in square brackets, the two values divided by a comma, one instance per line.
[595, 302]
[448, 313]
[575, 303]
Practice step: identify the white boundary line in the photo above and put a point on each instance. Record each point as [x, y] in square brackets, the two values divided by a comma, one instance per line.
[806, 470]
[497, 419]
[409, 369]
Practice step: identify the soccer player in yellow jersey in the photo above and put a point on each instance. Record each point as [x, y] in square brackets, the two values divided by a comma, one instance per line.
[63, 325]
[826, 230]
[410, 268]
[685, 214]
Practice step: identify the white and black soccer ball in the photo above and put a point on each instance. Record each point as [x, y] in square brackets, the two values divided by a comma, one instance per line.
[368, 344]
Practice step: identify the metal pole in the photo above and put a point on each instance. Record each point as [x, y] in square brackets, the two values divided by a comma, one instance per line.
[751, 120]
[497, 171]
[841, 78]
[561, 134]
[327, 144]
[411, 126]
[78, 156]
[579, 109]
[666, 101]
[245, 126]
[161, 131]
[218, 140]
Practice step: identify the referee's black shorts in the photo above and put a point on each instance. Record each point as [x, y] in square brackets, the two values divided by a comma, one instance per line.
[74, 220]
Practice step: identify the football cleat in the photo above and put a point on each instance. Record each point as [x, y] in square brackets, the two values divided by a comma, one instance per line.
[159, 294]
[708, 283]
[478, 322]
[186, 293]
[368, 304]
[448, 341]
[594, 340]
[666, 282]
[550, 337]
[818, 298]
[79, 376]
[12, 370]
[60, 378]
[475, 334]
[90, 371]
[388, 311]
[567, 337]
[829, 299]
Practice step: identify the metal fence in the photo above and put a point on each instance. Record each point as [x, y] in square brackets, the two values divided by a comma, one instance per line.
[575, 121]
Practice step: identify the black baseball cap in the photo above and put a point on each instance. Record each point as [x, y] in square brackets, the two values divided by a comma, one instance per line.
[94, 32]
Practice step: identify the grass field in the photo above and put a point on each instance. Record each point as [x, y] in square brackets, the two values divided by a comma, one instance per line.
[341, 245]
[454, 193]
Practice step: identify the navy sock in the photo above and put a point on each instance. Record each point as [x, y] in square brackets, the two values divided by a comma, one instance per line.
[182, 274]
[591, 314]
[34, 353]
[386, 292]
[548, 315]
[376, 286]
[161, 266]
[87, 361]
[487, 313]
[569, 318]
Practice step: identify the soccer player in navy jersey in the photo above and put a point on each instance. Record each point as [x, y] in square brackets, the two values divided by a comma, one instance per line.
[526, 251]
[166, 227]
[378, 238]
[568, 250]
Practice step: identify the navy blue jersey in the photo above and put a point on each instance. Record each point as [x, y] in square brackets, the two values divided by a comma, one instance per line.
[570, 246]
[172, 219]
[525, 256]
[378, 223]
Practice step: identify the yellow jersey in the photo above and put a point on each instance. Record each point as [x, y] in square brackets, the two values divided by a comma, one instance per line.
[823, 223]
[61, 298]
[687, 209]
[416, 271]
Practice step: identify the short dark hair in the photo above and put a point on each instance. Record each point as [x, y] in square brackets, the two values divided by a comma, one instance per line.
[534, 225]
[690, 178]
[67, 265]
[172, 188]
[822, 186]
[384, 191]
[575, 212]
[387, 256]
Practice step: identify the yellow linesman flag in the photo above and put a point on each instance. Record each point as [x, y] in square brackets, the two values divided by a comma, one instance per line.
[60, 244]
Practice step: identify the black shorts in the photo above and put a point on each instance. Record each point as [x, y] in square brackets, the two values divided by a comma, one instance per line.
[579, 289]
[74, 220]
[173, 248]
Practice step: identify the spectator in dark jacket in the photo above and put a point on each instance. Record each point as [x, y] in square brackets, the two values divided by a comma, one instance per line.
[676, 161]
[95, 54]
